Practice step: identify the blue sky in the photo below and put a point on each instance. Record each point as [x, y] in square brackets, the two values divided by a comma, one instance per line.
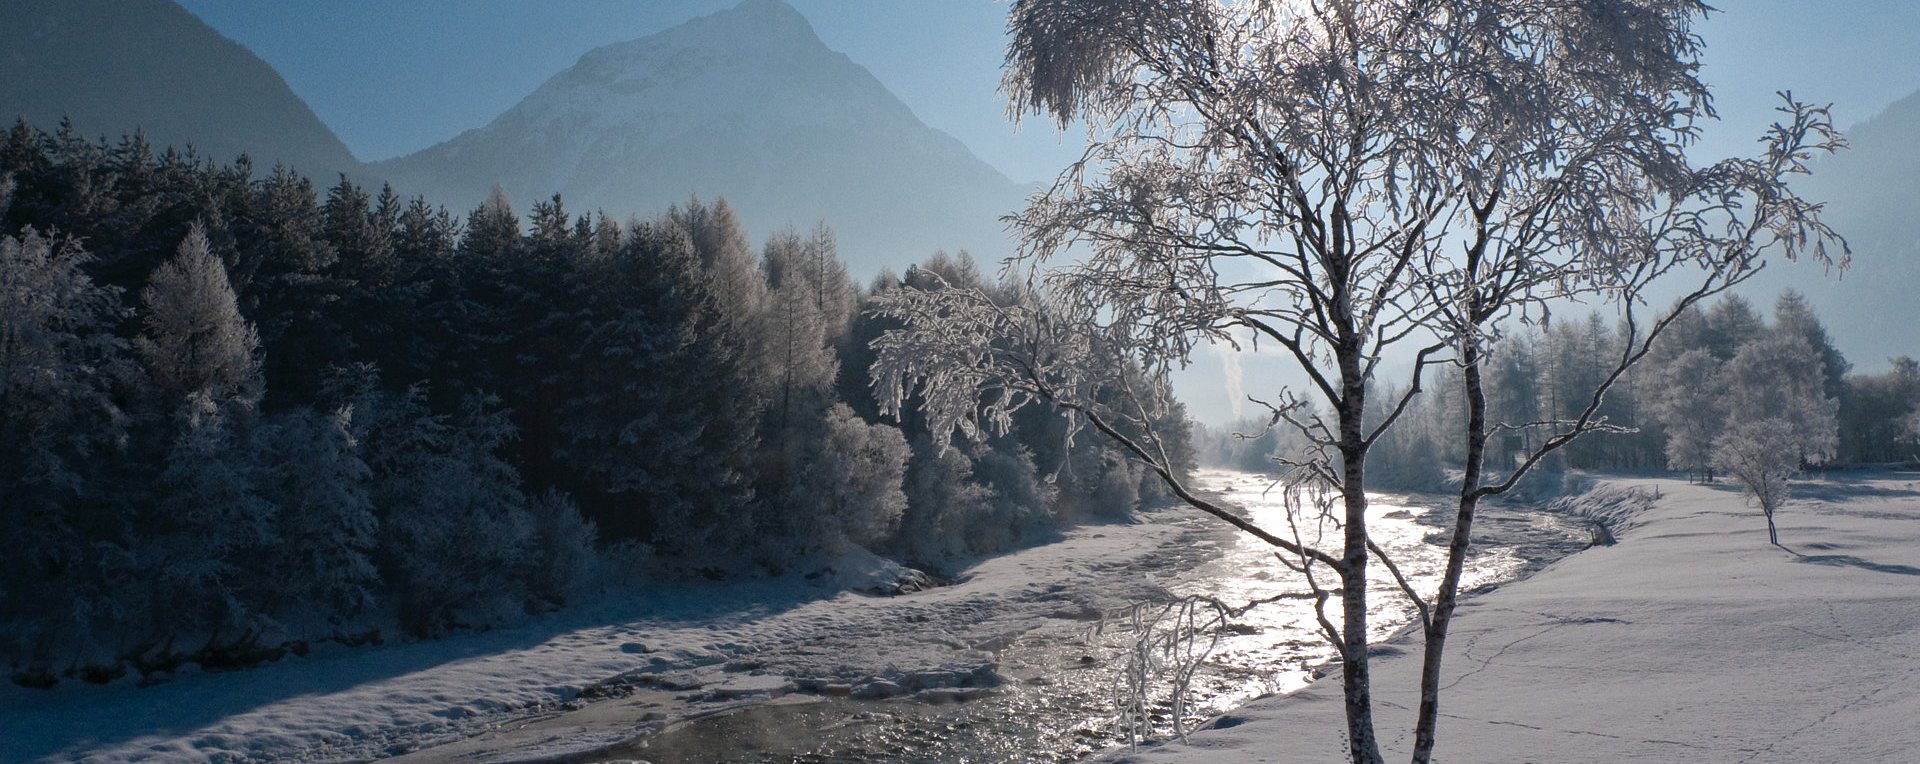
[394, 77]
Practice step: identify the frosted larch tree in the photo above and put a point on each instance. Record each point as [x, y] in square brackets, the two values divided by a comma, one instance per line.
[196, 341]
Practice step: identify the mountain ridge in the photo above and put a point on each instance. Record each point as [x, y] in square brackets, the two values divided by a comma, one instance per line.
[1872, 197]
[746, 104]
[116, 67]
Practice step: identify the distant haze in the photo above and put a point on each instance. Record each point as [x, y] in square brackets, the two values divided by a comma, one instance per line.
[393, 78]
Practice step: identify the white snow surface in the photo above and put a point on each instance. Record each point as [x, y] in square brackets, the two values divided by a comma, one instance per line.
[514, 693]
[1690, 640]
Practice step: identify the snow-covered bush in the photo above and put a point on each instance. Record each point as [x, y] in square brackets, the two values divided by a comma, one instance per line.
[320, 575]
[1016, 501]
[456, 533]
[940, 496]
[849, 486]
[564, 560]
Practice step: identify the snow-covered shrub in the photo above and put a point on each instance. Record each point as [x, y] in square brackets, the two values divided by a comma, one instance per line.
[849, 486]
[563, 560]
[1016, 501]
[455, 530]
[1101, 481]
[940, 496]
[321, 575]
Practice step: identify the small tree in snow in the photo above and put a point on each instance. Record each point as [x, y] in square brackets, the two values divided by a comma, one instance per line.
[1762, 456]
[1779, 417]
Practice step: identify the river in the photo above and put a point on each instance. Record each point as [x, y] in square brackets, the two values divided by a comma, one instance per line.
[1057, 686]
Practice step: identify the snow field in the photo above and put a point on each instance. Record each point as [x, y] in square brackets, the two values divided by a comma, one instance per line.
[1692, 640]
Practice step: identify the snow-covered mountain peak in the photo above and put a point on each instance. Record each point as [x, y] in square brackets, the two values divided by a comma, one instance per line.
[747, 103]
[759, 31]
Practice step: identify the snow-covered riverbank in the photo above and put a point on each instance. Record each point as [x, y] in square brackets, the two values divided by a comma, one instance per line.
[571, 685]
[1691, 640]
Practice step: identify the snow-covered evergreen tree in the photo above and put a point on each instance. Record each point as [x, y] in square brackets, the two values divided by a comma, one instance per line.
[195, 341]
[322, 574]
[61, 368]
[207, 539]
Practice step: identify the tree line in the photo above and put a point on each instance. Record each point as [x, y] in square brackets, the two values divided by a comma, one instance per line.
[240, 414]
[1710, 386]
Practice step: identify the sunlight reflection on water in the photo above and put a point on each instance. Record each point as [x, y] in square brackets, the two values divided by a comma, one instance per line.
[1059, 700]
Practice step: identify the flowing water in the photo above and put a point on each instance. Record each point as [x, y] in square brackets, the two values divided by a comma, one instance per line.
[1062, 685]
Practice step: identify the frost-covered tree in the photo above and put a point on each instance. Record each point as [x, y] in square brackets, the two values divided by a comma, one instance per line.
[847, 488]
[1340, 180]
[1761, 454]
[59, 366]
[1692, 407]
[205, 537]
[195, 341]
[61, 372]
[565, 558]
[1779, 417]
[1794, 316]
[827, 478]
[1729, 325]
[320, 576]
[456, 538]
[1780, 376]
[811, 266]
[941, 496]
[798, 335]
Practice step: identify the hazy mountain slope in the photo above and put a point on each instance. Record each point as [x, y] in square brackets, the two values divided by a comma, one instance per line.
[116, 65]
[1873, 196]
[747, 104]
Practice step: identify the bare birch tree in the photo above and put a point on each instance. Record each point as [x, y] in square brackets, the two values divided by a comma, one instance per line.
[1352, 183]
